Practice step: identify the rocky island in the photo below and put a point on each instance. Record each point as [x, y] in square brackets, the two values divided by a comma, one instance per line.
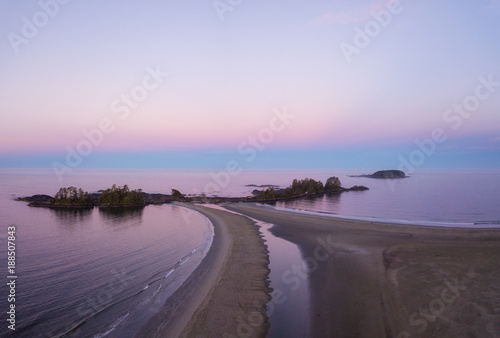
[385, 174]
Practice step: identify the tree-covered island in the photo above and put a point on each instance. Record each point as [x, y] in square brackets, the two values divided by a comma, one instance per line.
[305, 187]
[72, 197]
[116, 196]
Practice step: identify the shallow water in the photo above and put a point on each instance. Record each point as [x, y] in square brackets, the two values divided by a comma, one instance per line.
[288, 310]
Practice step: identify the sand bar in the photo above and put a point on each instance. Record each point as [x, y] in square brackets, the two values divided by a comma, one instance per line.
[385, 280]
[227, 292]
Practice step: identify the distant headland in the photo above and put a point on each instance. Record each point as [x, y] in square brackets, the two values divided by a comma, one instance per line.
[123, 197]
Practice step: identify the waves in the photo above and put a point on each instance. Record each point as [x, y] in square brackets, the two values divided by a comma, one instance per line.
[164, 279]
[449, 224]
[89, 275]
[113, 326]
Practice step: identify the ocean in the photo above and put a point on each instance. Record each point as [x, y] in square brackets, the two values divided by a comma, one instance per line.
[93, 273]
[98, 273]
[458, 198]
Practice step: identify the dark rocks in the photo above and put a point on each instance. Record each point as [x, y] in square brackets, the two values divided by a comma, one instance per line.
[386, 174]
[35, 198]
[358, 188]
[256, 192]
[46, 201]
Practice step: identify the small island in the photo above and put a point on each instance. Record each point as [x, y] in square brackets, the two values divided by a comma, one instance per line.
[76, 198]
[123, 197]
[385, 174]
[306, 188]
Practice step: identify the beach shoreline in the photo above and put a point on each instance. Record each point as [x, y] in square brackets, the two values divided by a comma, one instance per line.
[398, 222]
[227, 293]
[365, 279]
[377, 280]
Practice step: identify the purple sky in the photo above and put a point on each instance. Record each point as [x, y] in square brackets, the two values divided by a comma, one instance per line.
[357, 82]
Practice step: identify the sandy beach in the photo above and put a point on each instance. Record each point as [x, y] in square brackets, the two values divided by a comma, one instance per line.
[365, 279]
[386, 280]
[227, 292]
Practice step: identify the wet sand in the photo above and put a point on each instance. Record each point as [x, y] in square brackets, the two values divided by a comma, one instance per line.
[226, 294]
[386, 280]
[365, 279]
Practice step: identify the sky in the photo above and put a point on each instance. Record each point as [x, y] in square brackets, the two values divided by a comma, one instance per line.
[268, 84]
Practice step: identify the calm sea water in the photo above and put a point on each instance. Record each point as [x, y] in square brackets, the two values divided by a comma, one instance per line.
[459, 198]
[93, 273]
[99, 273]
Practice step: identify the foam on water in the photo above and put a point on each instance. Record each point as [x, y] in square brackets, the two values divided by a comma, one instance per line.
[475, 225]
[113, 326]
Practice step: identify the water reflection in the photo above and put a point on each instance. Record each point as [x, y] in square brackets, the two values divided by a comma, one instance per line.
[288, 311]
[329, 203]
[124, 217]
[70, 218]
